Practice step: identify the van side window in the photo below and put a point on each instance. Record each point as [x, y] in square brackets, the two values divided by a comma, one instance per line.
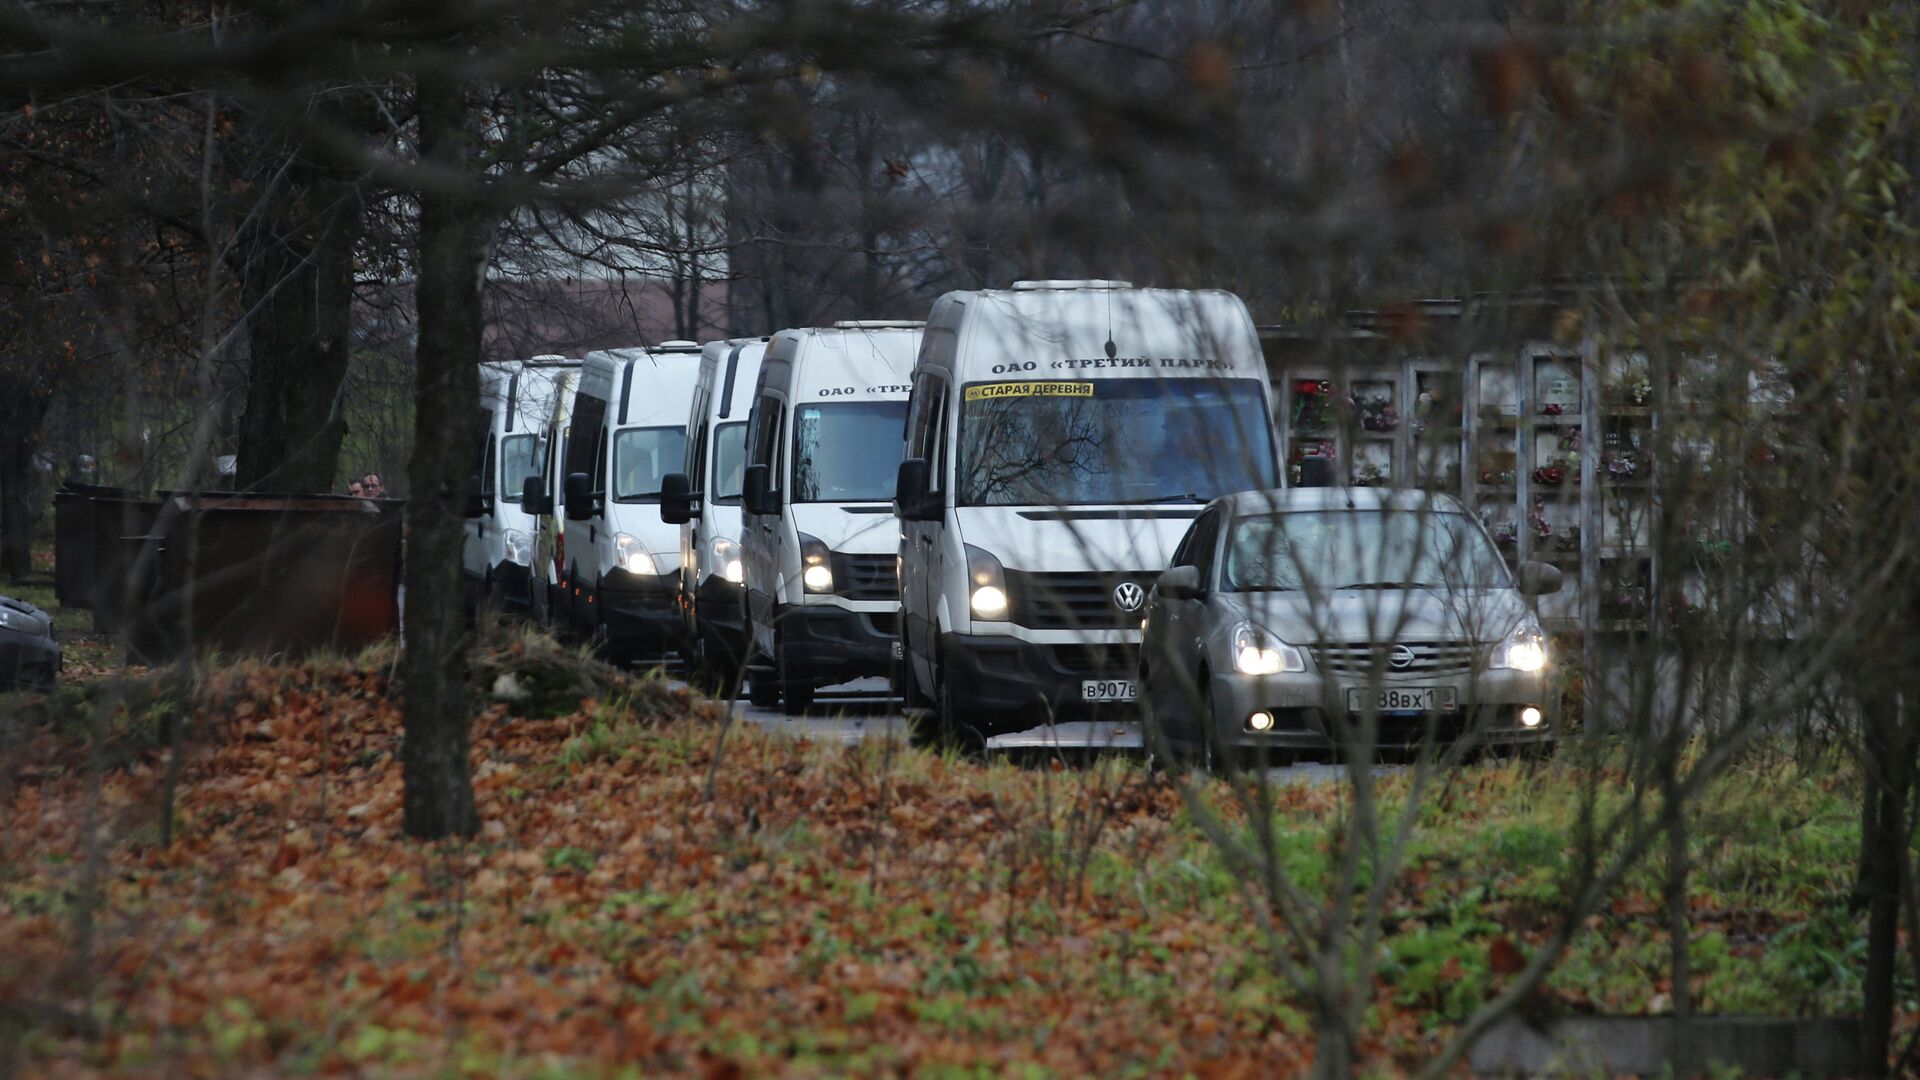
[490, 468]
[766, 438]
[924, 426]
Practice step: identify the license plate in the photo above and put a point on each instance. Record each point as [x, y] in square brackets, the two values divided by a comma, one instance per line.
[898, 652]
[1405, 699]
[1106, 690]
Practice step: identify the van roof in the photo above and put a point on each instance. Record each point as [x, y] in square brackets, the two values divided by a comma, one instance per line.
[732, 365]
[872, 362]
[1098, 330]
[651, 387]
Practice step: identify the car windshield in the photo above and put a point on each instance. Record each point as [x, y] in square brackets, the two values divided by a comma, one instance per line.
[848, 452]
[1112, 441]
[520, 457]
[729, 460]
[641, 456]
[1360, 549]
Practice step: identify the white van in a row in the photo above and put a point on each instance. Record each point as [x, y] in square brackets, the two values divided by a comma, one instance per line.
[1062, 436]
[516, 404]
[621, 576]
[821, 543]
[704, 500]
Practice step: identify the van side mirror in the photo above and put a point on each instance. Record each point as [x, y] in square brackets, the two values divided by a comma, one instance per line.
[756, 491]
[1540, 579]
[1179, 583]
[676, 499]
[579, 496]
[912, 502]
[477, 505]
[533, 496]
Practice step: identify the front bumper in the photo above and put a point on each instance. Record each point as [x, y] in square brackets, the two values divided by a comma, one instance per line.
[28, 661]
[1489, 705]
[512, 588]
[720, 611]
[824, 645]
[640, 611]
[999, 674]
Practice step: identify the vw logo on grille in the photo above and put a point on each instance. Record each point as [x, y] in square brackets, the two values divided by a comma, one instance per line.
[1128, 596]
[1400, 658]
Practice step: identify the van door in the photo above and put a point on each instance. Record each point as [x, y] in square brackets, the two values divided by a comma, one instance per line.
[921, 541]
[584, 441]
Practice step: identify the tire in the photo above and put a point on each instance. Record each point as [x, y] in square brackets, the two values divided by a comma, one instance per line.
[795, 697]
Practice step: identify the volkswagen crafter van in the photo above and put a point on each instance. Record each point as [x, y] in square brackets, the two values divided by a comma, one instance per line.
[516, 399]
[1061, 438]
[704, 501]
[821, 543]
[629, 431]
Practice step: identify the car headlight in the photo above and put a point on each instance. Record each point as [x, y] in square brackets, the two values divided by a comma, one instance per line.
[631, 555]
[986, 585]
[519, 545]
[816, 565]
[725, 552]
[1525, 649]
[20, 621]
[1257, 652]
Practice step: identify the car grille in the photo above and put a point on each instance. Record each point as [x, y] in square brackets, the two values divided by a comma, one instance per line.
[1429, 657]
[866, 577]
[1080, 600]
[1110, 660]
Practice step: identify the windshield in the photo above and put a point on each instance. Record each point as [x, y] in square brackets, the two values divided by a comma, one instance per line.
[1349, 549]
[641, 456]
[848, 452]
[520, 457]
[1112, 441]
[729, 460]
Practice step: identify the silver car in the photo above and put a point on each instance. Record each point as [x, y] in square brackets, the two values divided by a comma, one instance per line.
[1315, 618]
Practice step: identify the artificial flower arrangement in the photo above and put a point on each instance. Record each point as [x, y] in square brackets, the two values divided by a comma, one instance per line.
[1310, 398]
[1376, 413]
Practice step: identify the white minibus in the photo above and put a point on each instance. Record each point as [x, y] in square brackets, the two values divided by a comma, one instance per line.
[629, 430]
[823, 448]
[1062, 436]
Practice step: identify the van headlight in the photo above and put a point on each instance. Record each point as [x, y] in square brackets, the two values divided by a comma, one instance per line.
[631, 555]
[725, 552]
[986, 586]
[1525, 649]
[1257, 652]
[816, 565]
[519, 545]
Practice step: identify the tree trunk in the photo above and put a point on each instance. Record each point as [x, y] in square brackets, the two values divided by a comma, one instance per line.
[22, 411]
[298, 277]
[1883, 863]
[436, 772]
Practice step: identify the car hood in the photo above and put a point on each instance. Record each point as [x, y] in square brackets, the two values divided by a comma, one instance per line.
[1077, 538]
[861, 533]
[1481, 615]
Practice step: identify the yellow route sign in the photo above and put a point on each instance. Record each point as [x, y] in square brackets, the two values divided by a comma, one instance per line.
[989, 391]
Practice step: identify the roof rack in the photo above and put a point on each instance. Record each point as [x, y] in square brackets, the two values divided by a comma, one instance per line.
[1066, 283]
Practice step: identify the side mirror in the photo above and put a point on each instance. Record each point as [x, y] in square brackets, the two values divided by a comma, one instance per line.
[1179, 583]
[756, 491]
[579, 496]
[1540, 579]
[676, 499]
[533, 496]
[478, 505]
[911, 500]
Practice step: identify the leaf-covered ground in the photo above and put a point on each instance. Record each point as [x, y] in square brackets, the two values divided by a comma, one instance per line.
[814, 911]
